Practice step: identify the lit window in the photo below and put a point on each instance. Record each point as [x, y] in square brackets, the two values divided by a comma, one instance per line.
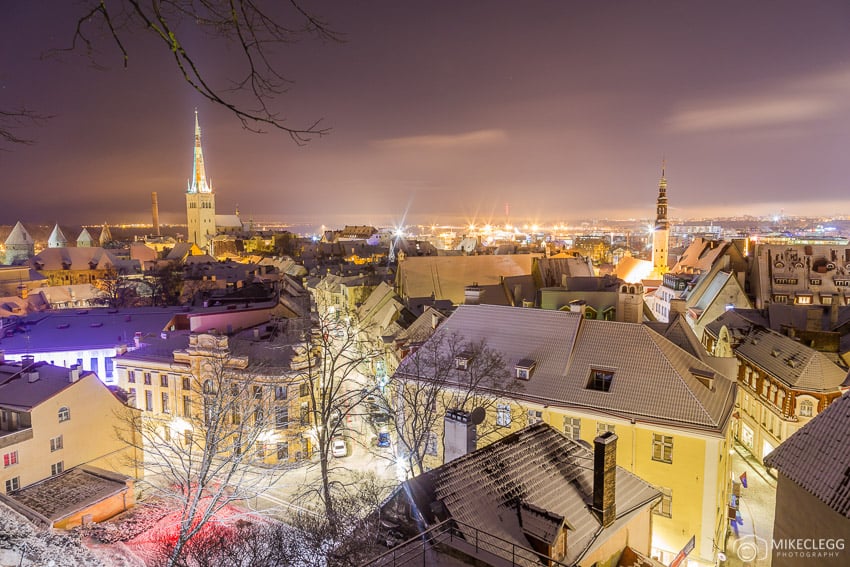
[10, 459]
[64, 414]
[503, 415]
[662, 448]
[56, 443]
[600, 380]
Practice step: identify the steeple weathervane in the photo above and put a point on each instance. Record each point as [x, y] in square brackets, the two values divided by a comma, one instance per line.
[198, 183]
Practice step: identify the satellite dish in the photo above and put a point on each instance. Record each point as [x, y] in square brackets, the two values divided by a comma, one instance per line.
[477, 416]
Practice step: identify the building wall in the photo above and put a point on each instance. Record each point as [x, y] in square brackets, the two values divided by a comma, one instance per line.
[636, 533]
[88, 437]
[99, 511]
[696, 479]
[799, 514]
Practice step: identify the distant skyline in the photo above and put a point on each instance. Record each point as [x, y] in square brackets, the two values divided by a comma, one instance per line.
[563, 110]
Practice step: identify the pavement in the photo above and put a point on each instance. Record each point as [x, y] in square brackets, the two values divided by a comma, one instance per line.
[750, 547]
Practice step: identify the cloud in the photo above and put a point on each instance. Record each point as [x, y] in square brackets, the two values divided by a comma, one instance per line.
[796, 101]
[473, 139]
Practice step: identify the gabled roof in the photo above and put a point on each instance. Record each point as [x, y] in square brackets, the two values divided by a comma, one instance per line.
[446, 277]
[535, 469]
[74, 258]
[793, 363]
[738, 321]
[700, 255]
[817, 456]
[19, 236]
[549, 272]
[653, 378]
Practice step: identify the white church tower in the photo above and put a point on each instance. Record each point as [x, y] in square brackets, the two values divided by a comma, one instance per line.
[661, 234]
[200, 199]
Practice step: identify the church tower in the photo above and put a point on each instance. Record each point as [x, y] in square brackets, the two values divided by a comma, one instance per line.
[200, 199]
[661, 234]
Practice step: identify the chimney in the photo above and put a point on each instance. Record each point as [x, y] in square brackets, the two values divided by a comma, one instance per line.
[32, 376]
[26, 361]
[833, 314]
[74, 373]
[155, 212]
[137, 339]
[814, 318]
[678, 305]
[472, 294]
[435, 320]
[604, 477]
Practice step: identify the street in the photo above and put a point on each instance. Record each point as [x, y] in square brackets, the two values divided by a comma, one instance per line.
[751, 546]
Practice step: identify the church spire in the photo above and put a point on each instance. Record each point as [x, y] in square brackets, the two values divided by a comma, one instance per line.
[661, 208]
[198, 183]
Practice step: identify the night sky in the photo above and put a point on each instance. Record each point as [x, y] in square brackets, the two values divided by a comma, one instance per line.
[449, 110]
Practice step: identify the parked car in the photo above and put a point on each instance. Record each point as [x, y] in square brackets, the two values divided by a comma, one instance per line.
[339, 448]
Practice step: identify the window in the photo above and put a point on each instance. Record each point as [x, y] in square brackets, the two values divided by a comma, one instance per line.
[604, 428]
[13, 484]
[10, 459]
[281, 417]
[600, 380]
[166, 433]
[131, 377]
[662, 448]
[304, 389]
[258, 392]
[305, 414]
[163, 380]
[64, 414]
[148, 400]
[56, 443]
[147, 378]
[280, 392]
[93, 365]
[187, 406]
[57, 468]
[665, 506]
[806, 408]
[814, 282]
[534, 417]
[187, 383]
[131, 395]
[109, 366]
[524, 368]
[165, 407]
[431, 444]
[282, 451]
[259, 417]
[187, 437]
[503, 415]
[209, 387]
[462, 361]
[572, 427]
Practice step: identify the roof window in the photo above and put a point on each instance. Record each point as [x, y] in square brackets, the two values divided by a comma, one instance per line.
[600, 379]
[524, 368]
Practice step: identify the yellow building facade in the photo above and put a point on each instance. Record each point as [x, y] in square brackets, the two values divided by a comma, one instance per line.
[53, 419]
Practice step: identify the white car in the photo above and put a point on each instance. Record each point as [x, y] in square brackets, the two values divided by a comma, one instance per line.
[339, 448]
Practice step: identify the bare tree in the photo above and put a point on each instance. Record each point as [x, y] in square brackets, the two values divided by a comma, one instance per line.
[332, 376]
[118, 292]
[446, 372]
[206, 459]
[247, 28]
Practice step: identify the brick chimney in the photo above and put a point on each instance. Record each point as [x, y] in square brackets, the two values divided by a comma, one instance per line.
[604, 477]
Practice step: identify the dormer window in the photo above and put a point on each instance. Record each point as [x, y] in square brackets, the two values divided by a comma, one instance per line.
[462, 361]
[705, 377]
[524, 368]
[600, 379]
